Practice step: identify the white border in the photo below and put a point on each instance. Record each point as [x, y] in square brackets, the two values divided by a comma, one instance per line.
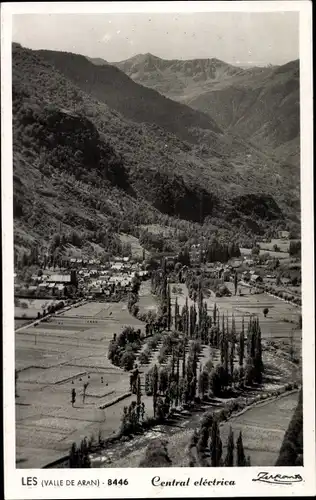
[140, 480]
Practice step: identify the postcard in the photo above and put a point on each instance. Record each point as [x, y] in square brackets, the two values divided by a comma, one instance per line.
[158, 249]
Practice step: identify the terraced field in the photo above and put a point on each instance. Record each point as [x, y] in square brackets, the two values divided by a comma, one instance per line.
[71, 349]
[269, 420]
[270, 417]
[53, 358]
[281, 320]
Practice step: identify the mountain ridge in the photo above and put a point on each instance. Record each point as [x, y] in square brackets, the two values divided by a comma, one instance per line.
[72, 152]
[252, 103]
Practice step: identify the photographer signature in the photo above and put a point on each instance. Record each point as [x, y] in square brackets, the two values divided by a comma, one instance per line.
[265, 477]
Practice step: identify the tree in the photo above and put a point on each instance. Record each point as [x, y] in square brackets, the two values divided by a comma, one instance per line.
[85, 385]
[73, 397]
[265, 312]
[155, 387]
[255, 251]
[295, 248]
[127, 360]
[231, 358]
[84, 461]
[138, 391]
[291, 452]
[203, 383]
[241, 458]
[235, 282]
[73, 457]
[216, 445]
[169, 313]
[79, 457]
[229, 459]
[163, 380]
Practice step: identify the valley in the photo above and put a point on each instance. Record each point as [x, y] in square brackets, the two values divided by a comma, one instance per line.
[157, 261]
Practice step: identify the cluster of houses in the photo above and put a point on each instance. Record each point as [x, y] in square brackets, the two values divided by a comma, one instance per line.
[48, 284]
[88, 277]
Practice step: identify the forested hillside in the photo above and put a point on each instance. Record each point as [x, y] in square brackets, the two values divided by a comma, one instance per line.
[81, 165]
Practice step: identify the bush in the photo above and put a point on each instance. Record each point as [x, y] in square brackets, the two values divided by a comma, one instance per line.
[128, 360]
[144, 358]
[156, 455]
[162, 358]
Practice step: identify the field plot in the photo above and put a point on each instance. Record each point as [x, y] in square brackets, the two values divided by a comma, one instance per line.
[282, 244]
[28, 308]
[268, 419]
[136, 248]
[147, 302]
[59, 355]
[165, 231]
[279, 255]
[281, 319]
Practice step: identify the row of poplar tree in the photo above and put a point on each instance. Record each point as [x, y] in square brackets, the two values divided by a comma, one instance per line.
[195, 323]
[209, 449]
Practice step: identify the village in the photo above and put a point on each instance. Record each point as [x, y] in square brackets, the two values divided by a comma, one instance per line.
[79, 278]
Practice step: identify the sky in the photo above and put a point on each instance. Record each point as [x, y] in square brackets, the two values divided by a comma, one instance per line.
[238, 38]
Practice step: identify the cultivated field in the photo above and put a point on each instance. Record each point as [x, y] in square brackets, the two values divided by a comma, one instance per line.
[166, 231]
[71, 349]
[147, 302]
[278, 324]
[136, 248]
[282, 244]
[263, 429]
[280, 255]
[270, 418]
[28, 308]
[52, 359]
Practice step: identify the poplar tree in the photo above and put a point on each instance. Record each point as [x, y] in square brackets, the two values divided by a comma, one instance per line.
[229, 459]
[178, 379]
[222, 341]
[183, 357]
[155, 387]
[242, 344]
[216, 445]
[241, 458]
[73, 397]
[231, 358]
[235, 282]
[214, 314]
[138, 397]
[169, 314]
[176, 314]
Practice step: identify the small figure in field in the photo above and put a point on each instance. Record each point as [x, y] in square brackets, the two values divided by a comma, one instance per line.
[73, 397]
[265, 311]
[85, 385]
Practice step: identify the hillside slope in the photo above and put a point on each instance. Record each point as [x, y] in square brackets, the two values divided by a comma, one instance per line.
[265, 110]
[259, 104]
[110, 85]
[78, 164]
[176, 78]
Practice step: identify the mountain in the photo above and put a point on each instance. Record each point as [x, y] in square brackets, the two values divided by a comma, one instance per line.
[80, 165]
[111, 86]
[263, 108]
[177, 79]
[258, 104]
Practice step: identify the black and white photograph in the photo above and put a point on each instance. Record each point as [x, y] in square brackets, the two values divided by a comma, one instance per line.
[157, 242]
